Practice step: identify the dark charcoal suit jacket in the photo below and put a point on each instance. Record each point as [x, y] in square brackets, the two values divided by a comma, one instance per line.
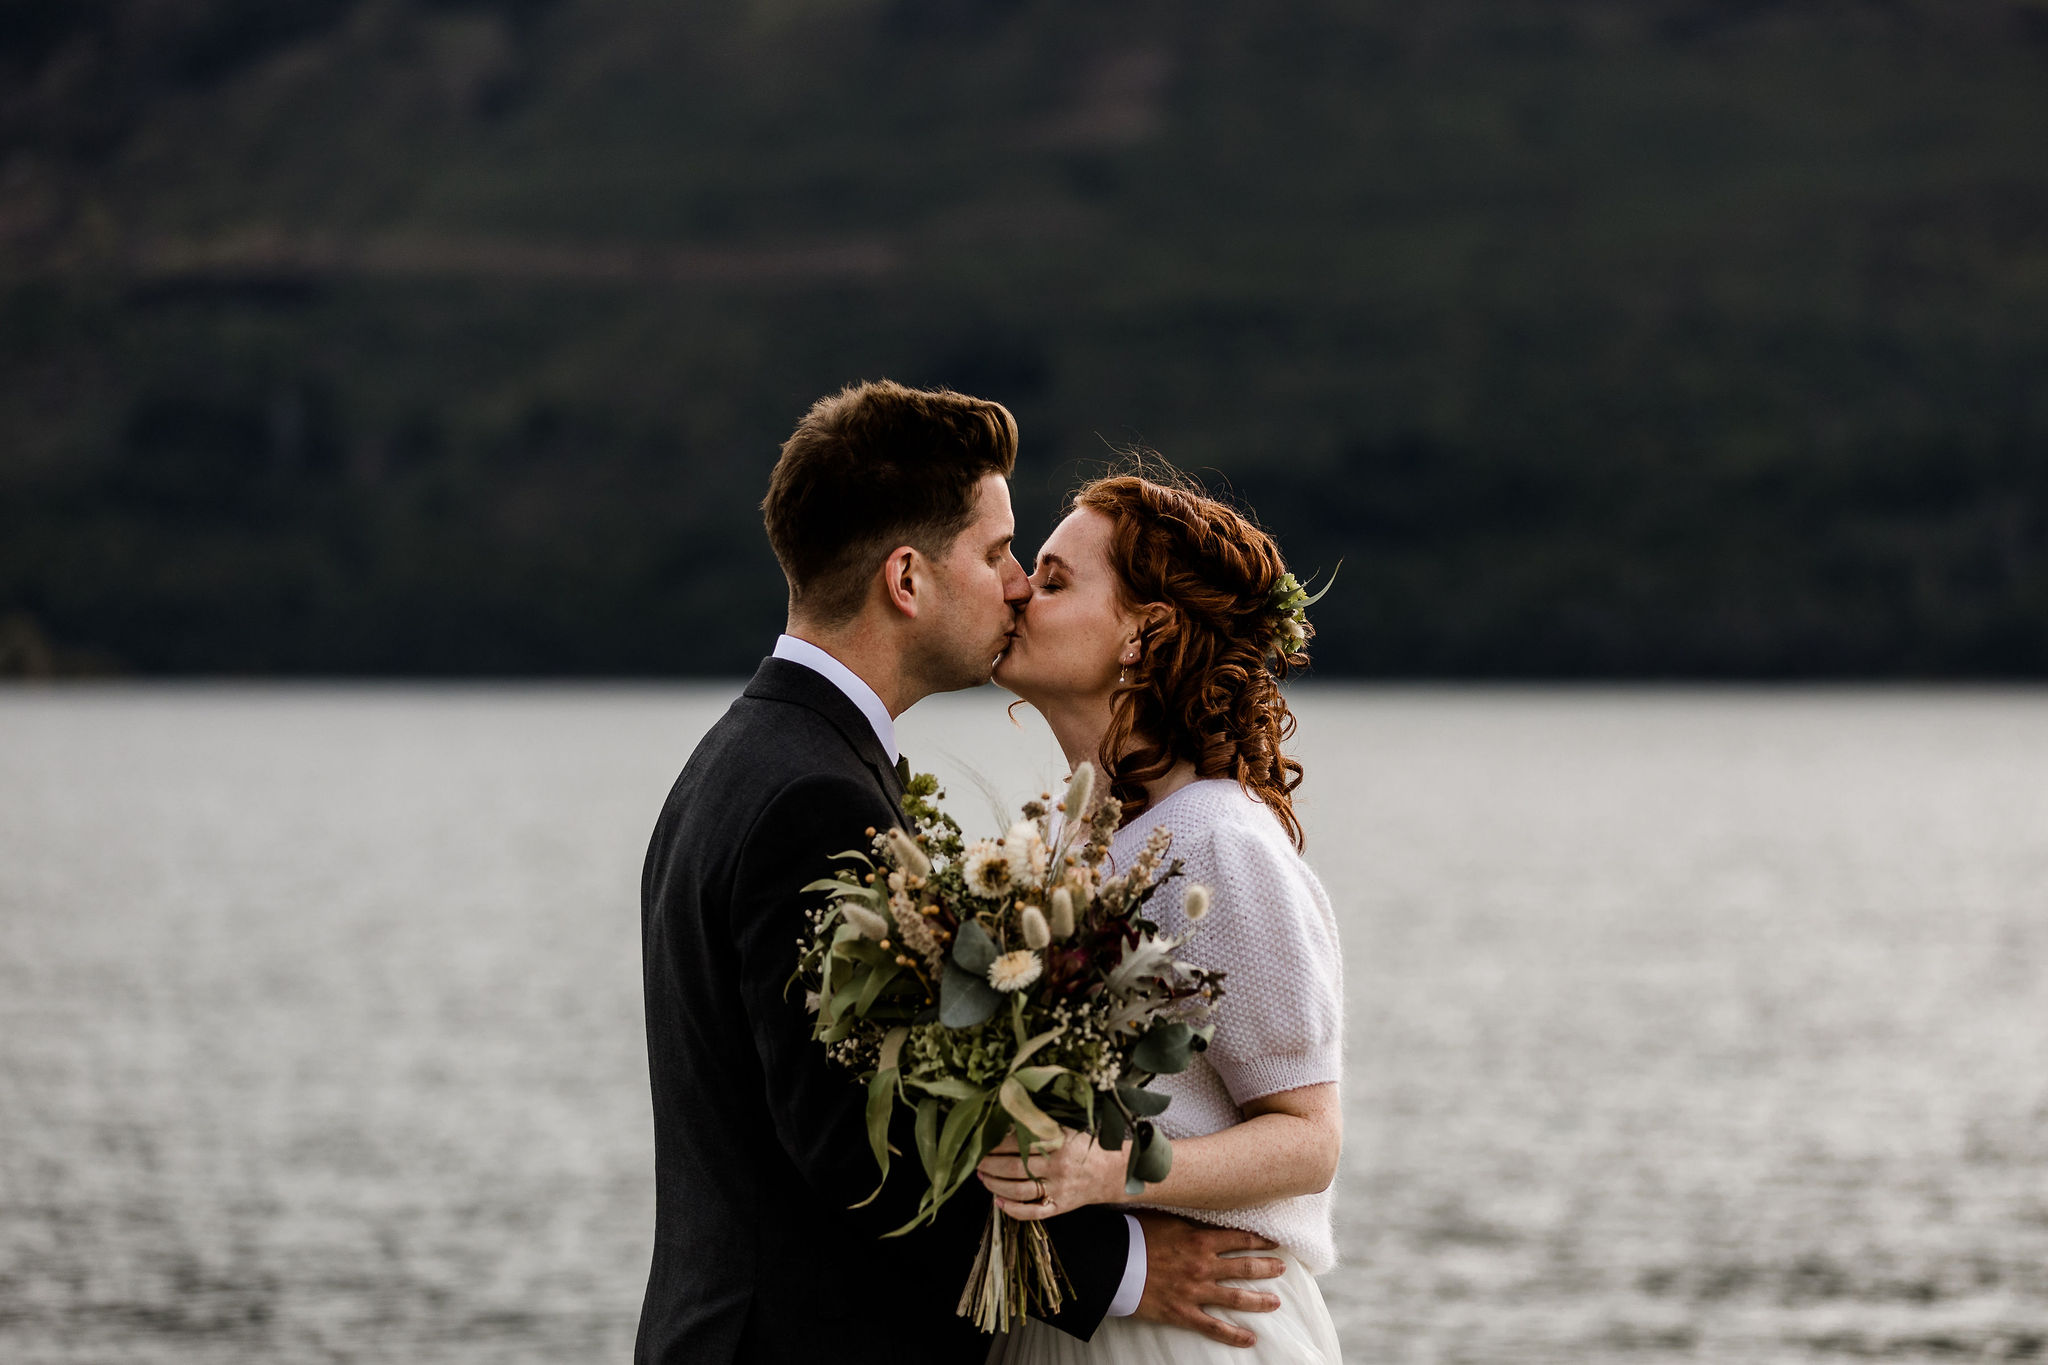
[760, 1143]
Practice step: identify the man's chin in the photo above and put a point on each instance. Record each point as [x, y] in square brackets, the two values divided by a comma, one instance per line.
[1005, 673]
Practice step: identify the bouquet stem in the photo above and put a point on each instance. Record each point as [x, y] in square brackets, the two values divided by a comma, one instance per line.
[1016, 1274]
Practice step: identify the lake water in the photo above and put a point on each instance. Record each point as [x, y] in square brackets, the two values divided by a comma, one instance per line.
[1684, 1025]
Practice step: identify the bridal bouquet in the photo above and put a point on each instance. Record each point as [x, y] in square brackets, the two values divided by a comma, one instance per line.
[1008, 985]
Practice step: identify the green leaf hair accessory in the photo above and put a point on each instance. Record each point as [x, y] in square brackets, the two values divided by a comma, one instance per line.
[1289, 603]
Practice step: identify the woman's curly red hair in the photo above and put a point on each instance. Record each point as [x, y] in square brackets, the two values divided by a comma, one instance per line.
[1206, 687]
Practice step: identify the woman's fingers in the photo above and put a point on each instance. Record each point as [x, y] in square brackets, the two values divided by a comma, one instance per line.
[1019, 1190]
[1031, 1212]
[1010, 1167]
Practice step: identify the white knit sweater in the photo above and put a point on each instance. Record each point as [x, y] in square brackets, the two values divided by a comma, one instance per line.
[1280, 1024]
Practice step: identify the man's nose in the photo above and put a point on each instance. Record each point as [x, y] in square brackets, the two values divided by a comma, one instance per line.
[1016, 583]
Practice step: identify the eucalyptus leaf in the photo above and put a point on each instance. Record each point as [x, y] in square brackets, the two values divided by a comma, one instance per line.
[973, 949]
[1155, 1155]
[1144, 1103]
[1164, 1048]
[965, 999]
[1111, 1133]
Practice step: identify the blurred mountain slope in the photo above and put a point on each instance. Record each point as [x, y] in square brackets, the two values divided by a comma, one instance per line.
[1633, 339]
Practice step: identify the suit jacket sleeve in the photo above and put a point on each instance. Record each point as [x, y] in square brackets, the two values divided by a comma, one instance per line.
[818, 1109]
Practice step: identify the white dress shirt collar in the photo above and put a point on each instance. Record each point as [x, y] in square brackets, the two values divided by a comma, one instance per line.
[847, 681]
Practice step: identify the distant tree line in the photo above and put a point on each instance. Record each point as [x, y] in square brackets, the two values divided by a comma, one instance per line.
[1647, 339]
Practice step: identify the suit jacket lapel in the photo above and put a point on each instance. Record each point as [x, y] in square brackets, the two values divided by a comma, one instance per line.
[782, 680]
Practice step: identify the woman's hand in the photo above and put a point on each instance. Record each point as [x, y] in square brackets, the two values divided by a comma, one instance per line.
[1049, 1183]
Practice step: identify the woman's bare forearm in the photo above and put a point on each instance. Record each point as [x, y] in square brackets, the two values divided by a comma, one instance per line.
[1289, 1148]
[1287, 1145]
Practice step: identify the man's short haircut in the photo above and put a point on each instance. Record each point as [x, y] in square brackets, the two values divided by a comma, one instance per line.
[872, 467]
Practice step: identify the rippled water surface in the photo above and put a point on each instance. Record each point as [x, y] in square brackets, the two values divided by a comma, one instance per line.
[1684, 1025]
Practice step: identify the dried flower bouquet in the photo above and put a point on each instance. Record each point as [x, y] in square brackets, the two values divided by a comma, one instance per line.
[1006, 985]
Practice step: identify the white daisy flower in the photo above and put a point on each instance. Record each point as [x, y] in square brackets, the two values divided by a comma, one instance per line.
[985, 869]
[1015, 971]
[1027, 853]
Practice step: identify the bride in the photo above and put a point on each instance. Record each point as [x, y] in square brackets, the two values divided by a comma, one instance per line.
[1159, 623]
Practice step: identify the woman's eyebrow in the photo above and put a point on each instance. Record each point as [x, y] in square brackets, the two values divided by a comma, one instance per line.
[1046, 561]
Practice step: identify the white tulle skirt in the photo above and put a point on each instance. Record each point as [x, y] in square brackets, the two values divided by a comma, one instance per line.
[1299, 1332]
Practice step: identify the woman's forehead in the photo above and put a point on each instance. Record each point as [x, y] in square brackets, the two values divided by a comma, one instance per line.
[1081, 537]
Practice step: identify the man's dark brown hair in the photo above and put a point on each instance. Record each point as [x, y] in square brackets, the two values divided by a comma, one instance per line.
[872, 467]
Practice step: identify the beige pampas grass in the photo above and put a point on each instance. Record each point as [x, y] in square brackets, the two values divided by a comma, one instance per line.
[1060, 922]
[870, 924]
[908, 855]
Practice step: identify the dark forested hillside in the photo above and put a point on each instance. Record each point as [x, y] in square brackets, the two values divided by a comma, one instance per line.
[1603, 338]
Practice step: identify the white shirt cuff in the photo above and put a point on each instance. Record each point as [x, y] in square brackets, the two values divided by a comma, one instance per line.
[1133, 1288]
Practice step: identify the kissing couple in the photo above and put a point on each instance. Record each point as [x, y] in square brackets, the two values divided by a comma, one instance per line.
[1151, 635]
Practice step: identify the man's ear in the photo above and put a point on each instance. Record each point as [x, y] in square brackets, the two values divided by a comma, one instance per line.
[900, 574]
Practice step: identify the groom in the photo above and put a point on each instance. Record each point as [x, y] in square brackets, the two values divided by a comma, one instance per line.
[890, 513]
